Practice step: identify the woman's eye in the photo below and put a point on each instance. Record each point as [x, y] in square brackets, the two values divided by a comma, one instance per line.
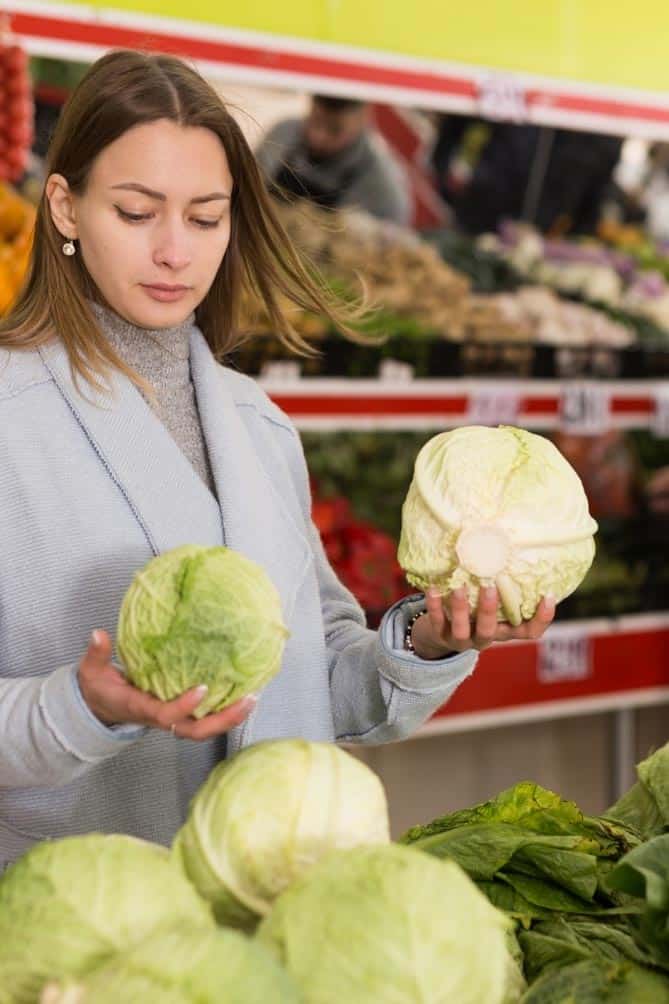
[132, 217]
[141, 217]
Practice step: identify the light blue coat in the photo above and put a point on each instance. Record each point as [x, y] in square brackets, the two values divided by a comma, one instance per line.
[89, 491]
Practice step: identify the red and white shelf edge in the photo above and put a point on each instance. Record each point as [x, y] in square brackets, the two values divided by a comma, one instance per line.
[83, 33]
[328, 404]
[579, 668]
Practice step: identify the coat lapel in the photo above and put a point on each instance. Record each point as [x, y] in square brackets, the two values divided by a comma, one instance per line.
[256, 520]
[167, 497]
[170, 501]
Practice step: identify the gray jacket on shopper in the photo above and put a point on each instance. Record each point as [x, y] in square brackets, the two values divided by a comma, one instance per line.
[90, 489]
[366, 176]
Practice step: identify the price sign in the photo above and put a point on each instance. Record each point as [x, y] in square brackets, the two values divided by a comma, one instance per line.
[660, 420]
[280, 371]
[502, 97]
[585, 409]
[493, 406]
[394, 371]
[564, 657]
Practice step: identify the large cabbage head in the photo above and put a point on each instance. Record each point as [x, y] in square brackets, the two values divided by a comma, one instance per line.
[496, 507]
[201, 615]
[264, 817]
[69, 905]
[183, 965]
[390, 925]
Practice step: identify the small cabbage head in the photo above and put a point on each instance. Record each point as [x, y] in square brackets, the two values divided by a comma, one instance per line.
[389, 925]
[201, 615]
[183, 965]
[265, 816]
[69, 905]
[496, 507]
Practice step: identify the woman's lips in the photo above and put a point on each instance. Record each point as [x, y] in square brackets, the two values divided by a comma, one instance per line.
[165, 294]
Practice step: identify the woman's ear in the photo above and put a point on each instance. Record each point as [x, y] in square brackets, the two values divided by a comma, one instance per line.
[61, 205]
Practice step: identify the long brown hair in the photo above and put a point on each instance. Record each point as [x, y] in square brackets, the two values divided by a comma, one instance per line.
[125, 89]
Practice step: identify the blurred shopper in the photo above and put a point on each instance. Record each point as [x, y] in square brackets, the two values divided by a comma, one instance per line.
[500, 161]
[335, 158]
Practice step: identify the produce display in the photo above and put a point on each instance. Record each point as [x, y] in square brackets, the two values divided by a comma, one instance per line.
[523, 899]
[363, 555]
[496, 507]
[198, 616]
[16, 117]
[410, 290]
[589, 895]
[70, 905]
[17, 219]
[183, 965]
[389, 924]
[547, 319]
[262, 819]
[587, 268]
[501, 292]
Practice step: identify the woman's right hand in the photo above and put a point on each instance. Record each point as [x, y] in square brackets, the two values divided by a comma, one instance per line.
[115, 701]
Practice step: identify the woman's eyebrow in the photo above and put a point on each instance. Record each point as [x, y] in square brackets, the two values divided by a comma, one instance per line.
[131, 186]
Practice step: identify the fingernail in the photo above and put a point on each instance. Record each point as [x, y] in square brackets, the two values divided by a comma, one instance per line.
[549, 600]
[96, 638]
[435, 592]
[459, 593]
[202, 690]
[250, 700]
[488, 592]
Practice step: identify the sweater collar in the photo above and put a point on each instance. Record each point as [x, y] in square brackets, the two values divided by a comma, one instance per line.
[159, 355]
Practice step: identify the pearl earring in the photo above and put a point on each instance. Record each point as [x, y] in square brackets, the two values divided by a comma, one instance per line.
[69, 248]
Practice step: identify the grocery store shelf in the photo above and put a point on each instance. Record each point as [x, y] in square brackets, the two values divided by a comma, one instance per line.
[580, 667]
[326, 404]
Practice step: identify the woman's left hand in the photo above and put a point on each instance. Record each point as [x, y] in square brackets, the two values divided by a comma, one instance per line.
[448, 626]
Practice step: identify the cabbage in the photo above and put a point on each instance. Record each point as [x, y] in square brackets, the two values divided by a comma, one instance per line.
[184, 966]
[266, 815]
[201, 615]
[69, 905]
[390, 925]
[496, 507]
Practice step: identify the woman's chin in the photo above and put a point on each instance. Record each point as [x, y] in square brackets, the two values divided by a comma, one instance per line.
[144, 311]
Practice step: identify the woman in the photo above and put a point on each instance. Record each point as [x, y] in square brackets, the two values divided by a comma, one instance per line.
[123, 437]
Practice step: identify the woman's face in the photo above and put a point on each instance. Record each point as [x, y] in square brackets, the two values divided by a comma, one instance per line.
[154, 222]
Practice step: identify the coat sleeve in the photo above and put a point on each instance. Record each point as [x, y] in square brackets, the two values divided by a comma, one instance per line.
[379, 691]
[49, 737]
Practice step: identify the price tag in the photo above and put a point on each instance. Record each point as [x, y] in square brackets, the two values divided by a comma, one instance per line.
[660, 420]
[564, 657]
[493, 406]
[280, 371]
[394, 371]
[502, 97]
[585, 409]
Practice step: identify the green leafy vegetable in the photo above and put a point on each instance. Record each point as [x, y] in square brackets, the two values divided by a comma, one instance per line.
[201, 615]
[69, 905]
[644, 873]
[596, 982]
[268, 814]
[387, 925]
[561, 941]
[550, 855]
[496, 507]
[183, 965]
[646, 805]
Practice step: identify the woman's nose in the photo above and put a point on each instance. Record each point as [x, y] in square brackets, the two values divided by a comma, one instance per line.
[172, 249]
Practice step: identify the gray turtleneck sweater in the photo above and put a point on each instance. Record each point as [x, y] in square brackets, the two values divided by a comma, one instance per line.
[161, 357]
